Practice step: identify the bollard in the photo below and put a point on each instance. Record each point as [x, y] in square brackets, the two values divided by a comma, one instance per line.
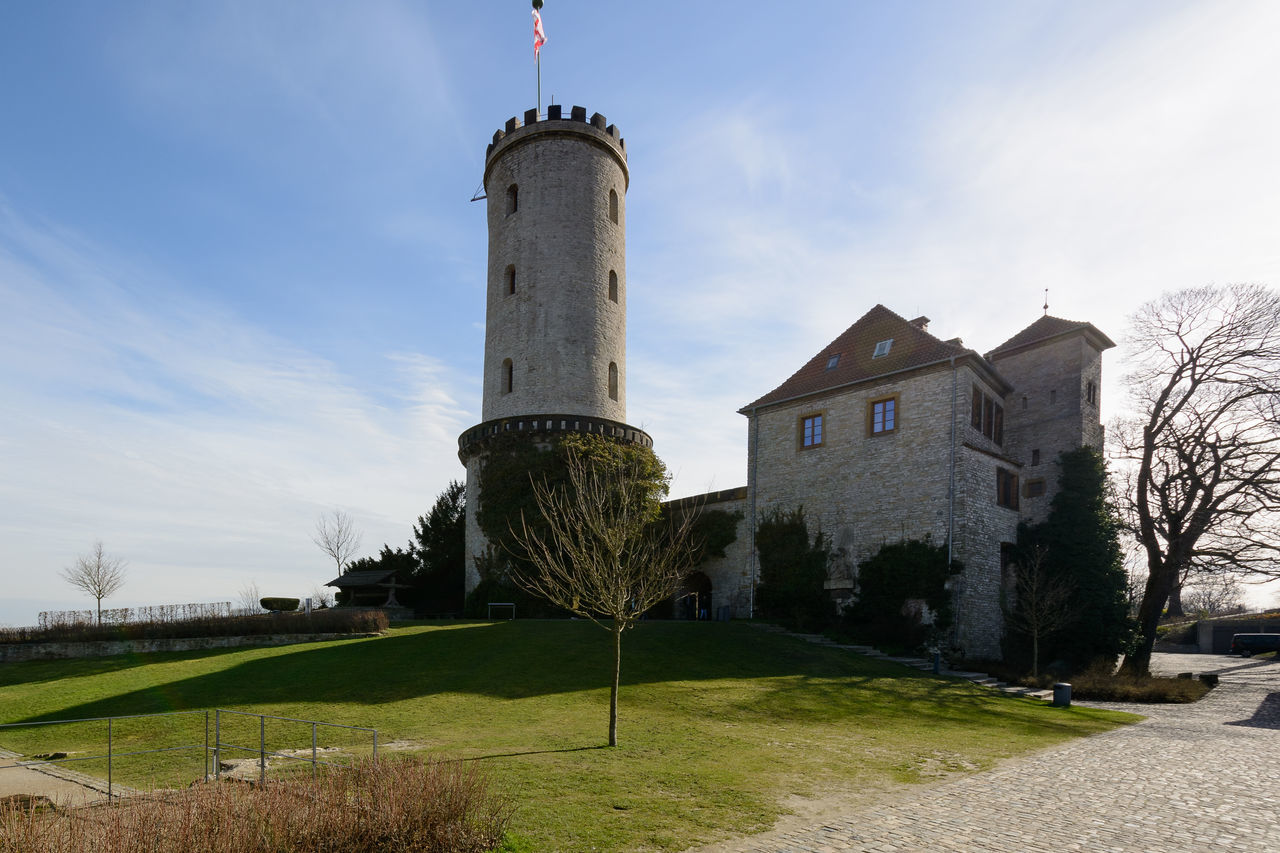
[1062, 695]
[937, 662]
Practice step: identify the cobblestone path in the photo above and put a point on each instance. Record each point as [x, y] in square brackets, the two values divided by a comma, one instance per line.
[1201, 777]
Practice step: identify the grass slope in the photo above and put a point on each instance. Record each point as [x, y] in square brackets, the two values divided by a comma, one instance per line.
[719, 723]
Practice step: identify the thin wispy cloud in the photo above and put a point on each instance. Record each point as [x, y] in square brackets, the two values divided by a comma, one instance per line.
[200, 446]
[242, 281]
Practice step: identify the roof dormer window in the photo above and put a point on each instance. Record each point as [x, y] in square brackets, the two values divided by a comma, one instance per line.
[833, 361]
[882, 349]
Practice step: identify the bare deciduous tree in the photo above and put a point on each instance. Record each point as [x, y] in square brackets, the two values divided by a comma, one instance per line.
[337, 536]
[321, 596]
[248, 598]
[98, 574]
[1213, 594]
[603, 554]
[1042, 602]
[1204, 483]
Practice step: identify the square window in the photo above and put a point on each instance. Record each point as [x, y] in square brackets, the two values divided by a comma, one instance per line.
[811, 430]
[987, 416]
[833, 361]
[1006, 488]
[1035, 488]
[882, 416]
[882, 348]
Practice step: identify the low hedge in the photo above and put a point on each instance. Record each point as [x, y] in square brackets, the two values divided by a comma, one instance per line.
[331, 621]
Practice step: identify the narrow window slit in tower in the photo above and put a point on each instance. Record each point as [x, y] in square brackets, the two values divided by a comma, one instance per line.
[613, 286]
[613, 206]
[513, 199]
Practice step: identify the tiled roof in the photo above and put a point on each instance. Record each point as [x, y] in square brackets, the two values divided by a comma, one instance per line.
[912, 347]
[1048, 327]
[365, 578]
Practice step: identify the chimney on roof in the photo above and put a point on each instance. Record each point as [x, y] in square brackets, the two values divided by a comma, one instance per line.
[955, 342]
[921, 323]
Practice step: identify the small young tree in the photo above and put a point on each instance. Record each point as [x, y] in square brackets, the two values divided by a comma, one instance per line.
[1079, 542]
[600, 551]
[1042, 601]
[337, 536]
[98, 574]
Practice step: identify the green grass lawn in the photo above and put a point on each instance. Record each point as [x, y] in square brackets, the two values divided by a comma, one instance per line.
[719, 723]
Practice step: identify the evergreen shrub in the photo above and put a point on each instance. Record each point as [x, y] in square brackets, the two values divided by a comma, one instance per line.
[914, 569]
[793, 571]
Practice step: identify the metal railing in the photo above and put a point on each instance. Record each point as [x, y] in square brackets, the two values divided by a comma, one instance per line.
[208, 748]
[219, 744]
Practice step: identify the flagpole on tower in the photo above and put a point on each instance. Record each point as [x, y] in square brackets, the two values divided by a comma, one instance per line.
[539, 39]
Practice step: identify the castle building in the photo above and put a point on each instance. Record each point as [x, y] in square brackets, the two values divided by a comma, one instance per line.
[889, 433]
[555, 319]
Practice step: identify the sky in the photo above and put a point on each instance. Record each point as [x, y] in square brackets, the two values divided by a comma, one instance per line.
[242, 280]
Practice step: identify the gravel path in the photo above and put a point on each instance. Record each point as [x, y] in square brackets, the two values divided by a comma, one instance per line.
[1200, 777]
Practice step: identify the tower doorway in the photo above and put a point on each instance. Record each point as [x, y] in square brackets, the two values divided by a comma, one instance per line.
[695, 597]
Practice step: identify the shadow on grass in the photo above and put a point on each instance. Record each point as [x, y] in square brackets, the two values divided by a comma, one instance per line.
[530, 658]
[538, 752]
[39, 672]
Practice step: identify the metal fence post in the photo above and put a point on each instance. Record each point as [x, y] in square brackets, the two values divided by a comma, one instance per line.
[313, 750]
[375, 746]
[217, 742]
[262, 747]
[108, 759]
[206, 746]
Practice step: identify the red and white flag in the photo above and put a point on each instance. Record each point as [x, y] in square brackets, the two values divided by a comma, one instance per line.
[539, 35]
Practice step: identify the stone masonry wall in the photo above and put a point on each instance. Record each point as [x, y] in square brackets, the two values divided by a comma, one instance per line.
[1049, 410]
[867, 490]
[730, 575]
[559, 328]
[981, 526]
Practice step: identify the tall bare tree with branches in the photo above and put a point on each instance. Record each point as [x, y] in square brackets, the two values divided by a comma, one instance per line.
[98, 574]
[337, 536]
[604, 553]
[1204, 483]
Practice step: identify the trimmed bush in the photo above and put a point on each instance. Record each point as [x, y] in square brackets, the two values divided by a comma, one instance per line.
[400, 804]
[284, 605]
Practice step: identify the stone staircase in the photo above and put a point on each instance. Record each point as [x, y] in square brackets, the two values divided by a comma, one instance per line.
[981, 679]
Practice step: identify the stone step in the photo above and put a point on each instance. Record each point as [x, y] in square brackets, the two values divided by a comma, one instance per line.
[920, 662]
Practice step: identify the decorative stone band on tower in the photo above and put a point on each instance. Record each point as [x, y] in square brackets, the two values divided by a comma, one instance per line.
[555, 319]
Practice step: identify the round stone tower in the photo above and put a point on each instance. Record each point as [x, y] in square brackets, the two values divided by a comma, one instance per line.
[556, 321]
